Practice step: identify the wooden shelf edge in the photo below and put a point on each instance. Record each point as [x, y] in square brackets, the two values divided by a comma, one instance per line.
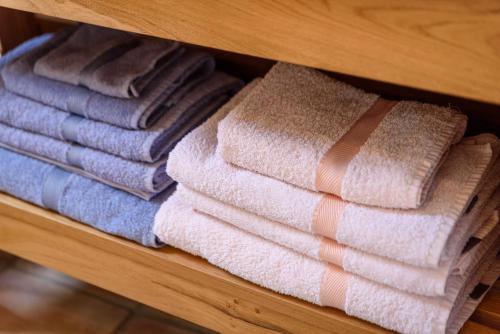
[448, 47]
[168, 279]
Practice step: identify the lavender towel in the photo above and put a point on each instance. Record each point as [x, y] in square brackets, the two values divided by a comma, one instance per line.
[141, 179]
[138, 113]
[91, 56]
[148, 145]
[93, 203]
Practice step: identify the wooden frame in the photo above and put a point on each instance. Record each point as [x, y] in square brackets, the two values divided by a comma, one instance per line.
[444, 46]
[16, 27]
[348, 37]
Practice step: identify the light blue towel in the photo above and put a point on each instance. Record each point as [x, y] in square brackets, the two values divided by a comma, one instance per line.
[139, 113]
[93, 203]
[141, 179]
[148, 145]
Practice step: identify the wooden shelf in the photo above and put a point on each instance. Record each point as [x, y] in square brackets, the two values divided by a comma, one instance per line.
[444, 46]
[174, 281]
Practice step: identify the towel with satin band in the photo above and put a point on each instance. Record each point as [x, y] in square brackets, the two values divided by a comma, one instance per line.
[148, 145]
[93, 203]
[287, 272]
[421, 240]
[140, 179]
[91, 56]
[156, 99]
[302, 127]
[425, 281]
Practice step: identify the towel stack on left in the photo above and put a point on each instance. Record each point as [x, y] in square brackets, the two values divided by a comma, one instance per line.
[107, 105]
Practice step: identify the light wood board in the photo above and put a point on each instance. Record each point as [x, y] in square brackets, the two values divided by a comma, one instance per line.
[445, 46]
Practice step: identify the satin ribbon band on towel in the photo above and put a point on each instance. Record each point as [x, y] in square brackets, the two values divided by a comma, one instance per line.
[332, 252]
[69, 128]
[334, 287]
[53, 188]
[74, 156]
[327, 215]
[76, 104]
[332, 167]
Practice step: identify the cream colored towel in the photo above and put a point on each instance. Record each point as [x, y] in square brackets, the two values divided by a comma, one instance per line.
[425, 281]
[287, 126]
[287, 272]
[417, 237]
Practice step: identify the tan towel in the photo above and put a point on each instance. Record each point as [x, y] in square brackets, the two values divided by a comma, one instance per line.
[310, 130]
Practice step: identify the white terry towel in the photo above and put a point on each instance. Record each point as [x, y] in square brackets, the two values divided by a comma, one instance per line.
[307, 129]
[425, 281]
[287, 272]
[421, 240]
[470, 301]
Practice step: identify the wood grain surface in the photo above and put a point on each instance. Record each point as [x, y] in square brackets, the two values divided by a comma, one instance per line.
[16, 27]
[446, 46]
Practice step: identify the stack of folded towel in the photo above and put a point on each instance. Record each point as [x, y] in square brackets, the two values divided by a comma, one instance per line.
[319, 190]
[109, 106]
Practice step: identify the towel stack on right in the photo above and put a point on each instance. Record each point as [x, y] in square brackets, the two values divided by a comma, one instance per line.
[316, 189]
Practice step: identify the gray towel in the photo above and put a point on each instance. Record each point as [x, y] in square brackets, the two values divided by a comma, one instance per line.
[93, 55]
[93, 203]
[141, 179]
[138, 113]
[146, 145]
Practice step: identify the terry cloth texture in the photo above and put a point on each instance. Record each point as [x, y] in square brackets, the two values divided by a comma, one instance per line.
[92, 56]
[425, 281]
[295, 115]
[90, 202]
[422, 239]
[138, 113]
[147, 145]
[287, 272]
[141, 179]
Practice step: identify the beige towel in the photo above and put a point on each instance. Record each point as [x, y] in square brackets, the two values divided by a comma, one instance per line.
[307, 129]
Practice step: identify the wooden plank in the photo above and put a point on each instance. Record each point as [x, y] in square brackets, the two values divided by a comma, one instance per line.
[488, 312]
[5, 260]
[445, 46]
[16, 27]
[169, 280]
[32, 304]
[471, 327]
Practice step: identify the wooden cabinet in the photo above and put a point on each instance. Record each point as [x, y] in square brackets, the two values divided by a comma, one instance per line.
[445, 52]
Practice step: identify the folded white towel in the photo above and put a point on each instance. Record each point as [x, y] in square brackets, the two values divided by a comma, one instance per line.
[308, 129]
[425, 281]
[287, 272]
[469, 302]
[417, 237]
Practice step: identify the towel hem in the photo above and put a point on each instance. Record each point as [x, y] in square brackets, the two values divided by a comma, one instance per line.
[428, 167]
[435, 252]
